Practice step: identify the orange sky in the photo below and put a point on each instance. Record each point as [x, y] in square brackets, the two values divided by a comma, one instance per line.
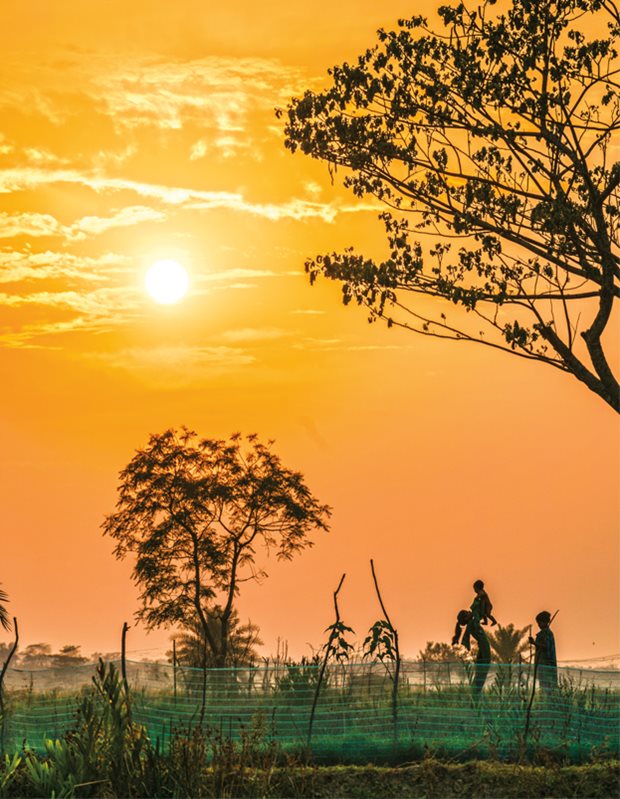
[136, 131]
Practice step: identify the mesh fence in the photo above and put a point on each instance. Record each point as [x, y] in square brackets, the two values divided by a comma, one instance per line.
[357, 715]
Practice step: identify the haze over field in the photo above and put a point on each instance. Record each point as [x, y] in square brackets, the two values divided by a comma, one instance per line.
[133, 133]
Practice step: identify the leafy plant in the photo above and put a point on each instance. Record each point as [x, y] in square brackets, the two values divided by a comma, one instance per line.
[508, 643]
[337, 647]
[380, 642]
[8, 773]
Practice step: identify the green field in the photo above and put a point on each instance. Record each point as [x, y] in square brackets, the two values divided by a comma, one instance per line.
[355, 720]
[254, 733]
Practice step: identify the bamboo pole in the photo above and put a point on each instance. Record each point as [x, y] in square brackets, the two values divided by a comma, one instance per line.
[396, 652]
[324, 663]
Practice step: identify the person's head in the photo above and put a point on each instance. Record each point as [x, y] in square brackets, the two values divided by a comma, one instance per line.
[463, 617]
[543, 619]
[478, 586]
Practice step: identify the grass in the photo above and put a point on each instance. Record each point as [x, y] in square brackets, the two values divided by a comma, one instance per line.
[254, 742]
[353, 721]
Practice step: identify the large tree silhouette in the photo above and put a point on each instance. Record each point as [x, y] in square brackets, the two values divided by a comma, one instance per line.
[497, 138]
[194, 512]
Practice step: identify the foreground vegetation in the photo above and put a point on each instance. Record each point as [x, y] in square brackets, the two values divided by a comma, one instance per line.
[350, 717]
[429, 778]
[110, 752]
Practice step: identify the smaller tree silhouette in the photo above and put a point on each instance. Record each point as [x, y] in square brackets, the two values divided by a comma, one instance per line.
[508, 643]
[194, 512]
[69, 655]
[242, 641]
[36, 656]
[437, 652]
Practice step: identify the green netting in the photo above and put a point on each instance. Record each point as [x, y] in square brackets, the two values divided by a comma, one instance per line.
[355, 718]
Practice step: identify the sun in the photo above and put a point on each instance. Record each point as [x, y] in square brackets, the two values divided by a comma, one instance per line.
[166, 281]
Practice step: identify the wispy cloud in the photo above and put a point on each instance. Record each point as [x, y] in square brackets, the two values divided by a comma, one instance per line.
[28, 224]
[198, 150]
[35, 336]
[5, 147]
[111, 304]
[37, 225]
[238, 273]
[125, 217]
[214, 91]
[41, 156]
[96, 311]
[16, 267]
[256, 334]
[176, 366]
[30, 178]
[339, 345]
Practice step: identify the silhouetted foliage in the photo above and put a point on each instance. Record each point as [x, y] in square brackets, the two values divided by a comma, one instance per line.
[5, 621]
[4, 651]
[508, 643]
[242, 641]
[36, 656]
[494, 138]
[437, 652]
[194, 511]
[69, 655]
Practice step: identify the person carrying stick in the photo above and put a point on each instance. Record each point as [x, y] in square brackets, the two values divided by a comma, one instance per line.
[545, 658]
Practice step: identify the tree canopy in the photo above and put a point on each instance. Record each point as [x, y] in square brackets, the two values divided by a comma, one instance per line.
[493, 145]
[194, 512]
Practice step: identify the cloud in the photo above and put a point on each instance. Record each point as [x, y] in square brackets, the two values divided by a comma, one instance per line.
[199, 150]
[308, 312]
[313, 188]
[176, 366]
[216, 92]
[40, 156]
[238, 273]
[5, 147]
[102, 307]
[28, 224]
[135, 90]
[96, 311]
[338, 345]
[29, 336]
[318, 343]
[256, 334]
[125, 217]
[36, 225]
[111, 304]
[31, 178]
[23, 266]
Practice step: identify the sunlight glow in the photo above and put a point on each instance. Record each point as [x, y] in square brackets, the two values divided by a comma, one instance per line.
[166, 281]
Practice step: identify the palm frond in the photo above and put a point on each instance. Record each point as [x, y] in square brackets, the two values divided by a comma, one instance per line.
[4, 614]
